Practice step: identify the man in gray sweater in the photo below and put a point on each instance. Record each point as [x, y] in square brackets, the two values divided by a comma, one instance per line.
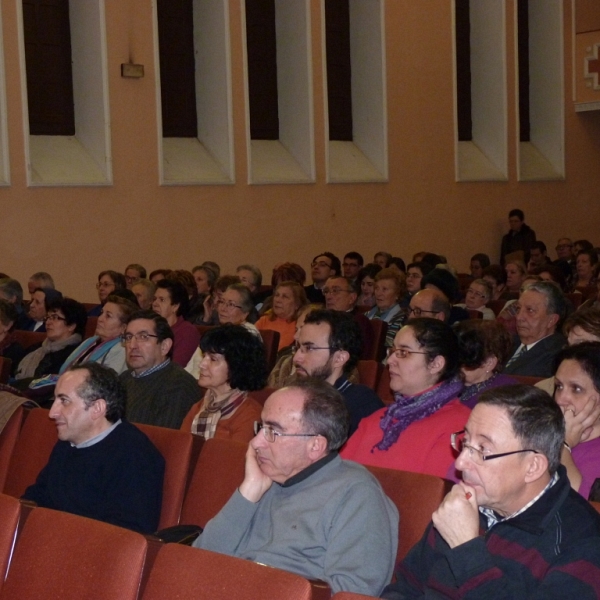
[301, 507]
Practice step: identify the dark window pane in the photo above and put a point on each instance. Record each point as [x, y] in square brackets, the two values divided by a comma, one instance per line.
[339, 72]
[523, 45]
[463, 71]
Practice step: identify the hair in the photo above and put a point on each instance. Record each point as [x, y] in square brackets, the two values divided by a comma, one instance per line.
[396, 260]
[441, 304]
[484, 284]
[497, 272]
[344, 333]
[539, 245]
[324, 412]
[126, 307]
[211, 276]
[479, 340]
[256, 273]
[161, 327]
[163, 272]
[424, 267]
[397, 277]
[535, 418]
[177, 293]
[517, 212]
[444, 281]
[587, 318]
[299, 296]
[519, 264]
[369, 270]
[587, 356]
[244, 353]
[288, 272]
[355, 256]
[591, 253]
[584, 244]
[126, 294]
[245, 296]
[43, 279]
[386, 255]
[8, 313]
[102, 383]
[482, 259]
[349, 282]
[431, 259]
[186, 279]
[437, 339]
[12, 289]
[555, 299]
[213, 266]
[141, 270]
[117, 278]
[225, 281]
[74, 312]
[336, 265]
[149, 285]
[556, 273]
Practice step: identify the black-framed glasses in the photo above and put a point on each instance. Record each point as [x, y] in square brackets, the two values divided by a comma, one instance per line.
[54, 317]
[307, 347]
[271, 435]
[417, 312]
[457, 441]
[142, 336]
[228, 305]
[402, 352]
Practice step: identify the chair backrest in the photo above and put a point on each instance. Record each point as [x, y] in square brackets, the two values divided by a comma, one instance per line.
[261, 395]
[475, 314]
[383, 388]
[89, 305]
[271, 341]
[90, 327]
[59, 555]
[369, 373]
[29, 338]
[379, 332]
[350, 596]
[8, 441]
[5, 367]
[31, 453]
[218, 472]
[184, 572]
[526, 379]
[202, 329]
[10, 512]
[496, 306]
[596, 505]
[176, 448]
[576, 299]
[416, 497]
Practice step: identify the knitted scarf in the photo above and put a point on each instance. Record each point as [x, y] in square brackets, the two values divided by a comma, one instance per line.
[90, 350]
[213, 410]
[406, 410]
[30, 361]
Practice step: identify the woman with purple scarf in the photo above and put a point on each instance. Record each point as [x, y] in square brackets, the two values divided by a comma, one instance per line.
[413, 433]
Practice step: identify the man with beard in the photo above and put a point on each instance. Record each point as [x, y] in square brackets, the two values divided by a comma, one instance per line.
[328, 348]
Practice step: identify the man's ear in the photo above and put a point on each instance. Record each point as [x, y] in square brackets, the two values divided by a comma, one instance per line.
[317, 447]
[340, 358]
[165, 346]
[98, 409]
[536, 468]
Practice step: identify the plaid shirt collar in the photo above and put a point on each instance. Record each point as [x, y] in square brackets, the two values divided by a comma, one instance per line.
[151, 370]
[493, 518]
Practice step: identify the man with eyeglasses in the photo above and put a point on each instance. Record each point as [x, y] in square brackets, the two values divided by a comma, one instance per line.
[352, 264]
[429, 303]
[101, 467]
[322, 267]
[159, 391]
[328, 348]
[301, 507]
[512, 528]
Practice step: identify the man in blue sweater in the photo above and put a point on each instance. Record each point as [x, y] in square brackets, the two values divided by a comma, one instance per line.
[102, 467]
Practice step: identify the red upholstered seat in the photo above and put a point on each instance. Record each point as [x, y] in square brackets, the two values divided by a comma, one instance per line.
[383, 388]
[369, 373]
[10, 512]
[29, 338]
[8, 441]
[5, 367]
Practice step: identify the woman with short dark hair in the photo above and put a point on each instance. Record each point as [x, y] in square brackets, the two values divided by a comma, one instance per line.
[108, 283]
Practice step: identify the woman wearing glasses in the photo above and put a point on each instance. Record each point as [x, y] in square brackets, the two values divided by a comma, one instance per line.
[108, 282]
[476, 298]
[233, 364]
[234, 307]
[412, 433]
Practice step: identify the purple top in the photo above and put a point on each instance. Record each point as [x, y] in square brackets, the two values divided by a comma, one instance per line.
[470, 394]
[586, 457]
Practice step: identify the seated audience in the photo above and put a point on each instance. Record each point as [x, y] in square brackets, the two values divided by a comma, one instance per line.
[353, 262]
[171, 303]
[323, 267]
[210, 305]
[144, 293]
[11, 291]
[65, 327]
[586, 276]
[577, 392]
[205, 279]
[412, 433]
[540, 310]
[390, 286]
[106, 345]
[365, 283]
[538, 257]
[108, 282]
[233, 364]
[382, 259]
[40, 279]
[159, 274]
[300, 507]
[37, 307]
[414, 274]
[328, 347]
[512, 528]
[516, 271]
[133, 272]
[443, 280]
[282, 272]
[102, 467]
[397, 263]
[235, 305]
[159, 391]
[9, 346]
[495, 275]
[484, 347]
[431, 303]
[553, 273]
[288, 299]
[476, 298]
[508, 315]
[592, 301]
[479, 262]
[250, 276]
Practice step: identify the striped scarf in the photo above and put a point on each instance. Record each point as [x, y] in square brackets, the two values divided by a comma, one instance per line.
[213, 410]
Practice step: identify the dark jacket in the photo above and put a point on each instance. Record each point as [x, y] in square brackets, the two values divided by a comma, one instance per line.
[521, 240]
[538, 361]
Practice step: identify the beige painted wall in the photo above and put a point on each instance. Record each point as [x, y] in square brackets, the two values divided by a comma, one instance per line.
[75, 232]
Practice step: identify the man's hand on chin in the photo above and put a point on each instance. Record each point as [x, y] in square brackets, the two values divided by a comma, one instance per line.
[255, 483]
[457, 518]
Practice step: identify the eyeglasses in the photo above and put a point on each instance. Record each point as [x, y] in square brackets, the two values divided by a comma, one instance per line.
[457, 441]
[271, 435]
[476, 293]
[414, 275]
[228, 305]
[143, 337]
[54, 317]
[564, 246]
[307, 347]
[402, 352]
[335, 291]
[419, 311]
[104, 284]
[320, 263]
